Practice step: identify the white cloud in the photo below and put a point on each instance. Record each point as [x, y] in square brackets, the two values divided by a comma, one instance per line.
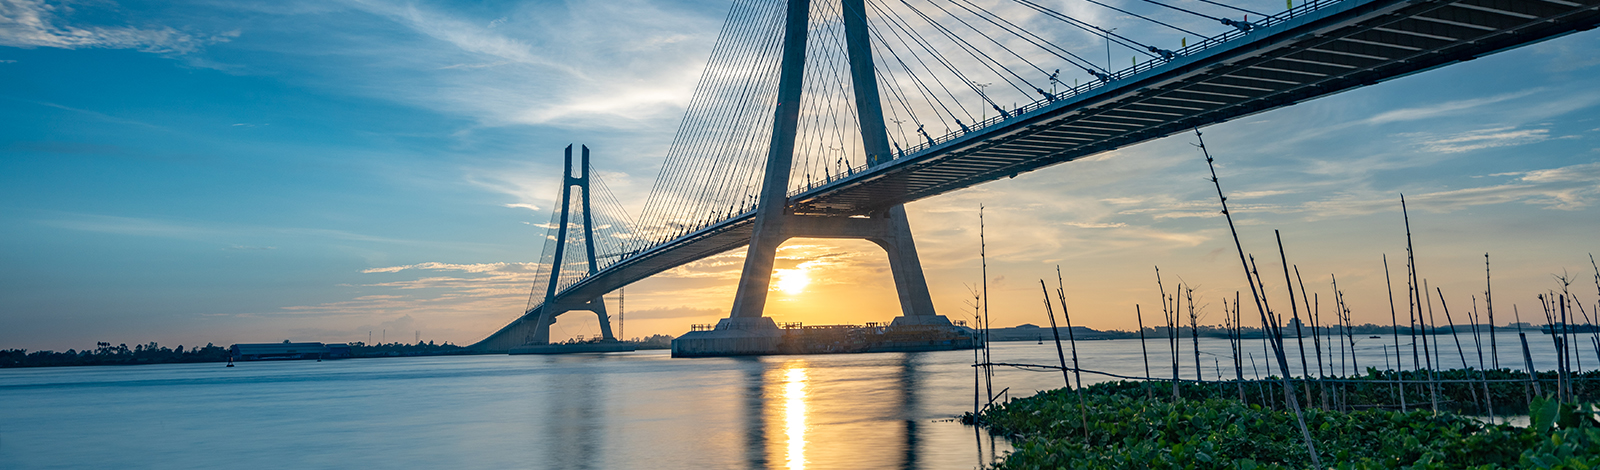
[461, 34]
[1443, 109]
[33, 23]
[471, 268]
[1484, 138]
[1097, 225]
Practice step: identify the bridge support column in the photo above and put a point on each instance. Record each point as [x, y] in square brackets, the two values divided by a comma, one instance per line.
[746, 330]
[539, 331]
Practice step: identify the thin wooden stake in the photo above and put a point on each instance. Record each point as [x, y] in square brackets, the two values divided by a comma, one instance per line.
[1171, 342]
[1194, 332]
[1049, 312]
[1411, 265]
[1457, 337]
[1083, 413]
[1071, 337]
[1143, 351]
[1488, 303]
[1488, 398]
[1394, 324]
[1311, 448]
[1299, 335]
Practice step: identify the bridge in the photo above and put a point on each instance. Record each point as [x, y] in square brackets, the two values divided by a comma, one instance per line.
[762, 155]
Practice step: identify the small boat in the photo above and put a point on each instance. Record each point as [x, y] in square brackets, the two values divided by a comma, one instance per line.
[1374, 337]
[230, 361]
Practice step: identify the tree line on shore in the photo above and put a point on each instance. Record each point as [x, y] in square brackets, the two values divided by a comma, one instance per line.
[104, 354]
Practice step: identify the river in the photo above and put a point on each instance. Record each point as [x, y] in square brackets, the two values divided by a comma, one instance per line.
[623, 410]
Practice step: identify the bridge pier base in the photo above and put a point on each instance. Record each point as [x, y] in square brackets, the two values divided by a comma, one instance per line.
[747, 332]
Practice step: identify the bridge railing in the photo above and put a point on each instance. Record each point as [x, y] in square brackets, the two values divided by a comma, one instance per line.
[1305, 7]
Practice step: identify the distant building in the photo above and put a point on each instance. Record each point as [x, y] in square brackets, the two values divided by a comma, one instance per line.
[288, 351]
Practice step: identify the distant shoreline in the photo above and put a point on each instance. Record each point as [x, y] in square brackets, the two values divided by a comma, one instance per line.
[105, 354]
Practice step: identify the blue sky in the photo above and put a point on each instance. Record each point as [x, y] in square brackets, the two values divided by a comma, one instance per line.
[187, 172]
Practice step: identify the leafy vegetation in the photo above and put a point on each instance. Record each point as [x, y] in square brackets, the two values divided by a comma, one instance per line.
[106, 354]
[362, 349]
[1122, 428]
[1509, 390]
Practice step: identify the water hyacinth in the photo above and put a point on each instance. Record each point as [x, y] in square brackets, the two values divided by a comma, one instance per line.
[1127, 430]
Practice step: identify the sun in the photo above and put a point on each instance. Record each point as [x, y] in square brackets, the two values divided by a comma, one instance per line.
[793, 281]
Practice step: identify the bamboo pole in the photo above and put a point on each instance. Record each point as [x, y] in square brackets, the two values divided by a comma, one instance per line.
[1344, 314]
[1171, 345]
[1275, 333]
[1061, 356]
[1311, 448]
[1527, 356]
[1457, 337]
[1083, 414]
[1555, 341]
[1194, 333]
[1259, 388]
[1488, 304]
[1316, 341]
[1394, 323]
[1488, 397]
[1072, 338]
[1596, 337]
[1430, 351]
[1305, 368]
[1238, 332]
[1411, 266]
[1295, 310]
[1229, 316]
[1564, 347]
[983, 256]
[1143, 351]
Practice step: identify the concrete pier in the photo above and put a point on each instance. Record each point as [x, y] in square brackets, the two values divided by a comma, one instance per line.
[761, 336]
[569, 348]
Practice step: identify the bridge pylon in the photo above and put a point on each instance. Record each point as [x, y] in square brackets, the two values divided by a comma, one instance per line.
[533, 328]
[747, 330]
[550, 308]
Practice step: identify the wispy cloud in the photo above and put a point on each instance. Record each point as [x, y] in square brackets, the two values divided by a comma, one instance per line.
[1447, 108]
[1570, 187]
[1097, 225]
[34, 23]
[463, 34]
[479, 287]
[1481, 139]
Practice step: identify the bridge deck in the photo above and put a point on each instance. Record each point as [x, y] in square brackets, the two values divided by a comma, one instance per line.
[1326, 47]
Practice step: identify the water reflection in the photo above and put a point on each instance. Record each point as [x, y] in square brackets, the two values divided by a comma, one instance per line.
[909, 384]
[794, 423]
[755, 425]
[574, 417]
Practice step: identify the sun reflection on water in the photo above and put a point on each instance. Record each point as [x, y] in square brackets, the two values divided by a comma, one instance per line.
[794, 394]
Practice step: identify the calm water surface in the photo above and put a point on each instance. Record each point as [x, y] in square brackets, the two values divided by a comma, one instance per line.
[640, 410]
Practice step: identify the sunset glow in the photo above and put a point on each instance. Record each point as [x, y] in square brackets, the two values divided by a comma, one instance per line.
[793, 281]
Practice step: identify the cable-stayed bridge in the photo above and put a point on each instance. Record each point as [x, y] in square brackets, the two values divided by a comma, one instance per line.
[820, 119]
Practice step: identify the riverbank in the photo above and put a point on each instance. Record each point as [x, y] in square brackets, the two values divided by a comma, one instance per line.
[1127, 425]
[104, 354]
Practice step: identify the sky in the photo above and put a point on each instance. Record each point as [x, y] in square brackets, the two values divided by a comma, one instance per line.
[195, 171]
